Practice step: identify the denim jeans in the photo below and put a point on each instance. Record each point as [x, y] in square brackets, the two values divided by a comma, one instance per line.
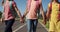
[32, 25]
[9, 24]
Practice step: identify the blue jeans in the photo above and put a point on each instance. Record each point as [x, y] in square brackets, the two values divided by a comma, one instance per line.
[9, 24]
[32, 25]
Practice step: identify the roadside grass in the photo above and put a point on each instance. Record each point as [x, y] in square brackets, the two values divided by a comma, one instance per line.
[47, 24]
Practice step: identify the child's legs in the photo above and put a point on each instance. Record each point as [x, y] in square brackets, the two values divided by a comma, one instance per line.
[9, 24]
[29, 25]
[35, 22]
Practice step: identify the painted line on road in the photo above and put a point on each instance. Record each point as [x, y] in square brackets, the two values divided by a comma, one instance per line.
[25, 24]
[44, 26]
[19, 28]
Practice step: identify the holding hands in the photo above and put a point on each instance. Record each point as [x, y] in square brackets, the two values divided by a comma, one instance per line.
[22, 20]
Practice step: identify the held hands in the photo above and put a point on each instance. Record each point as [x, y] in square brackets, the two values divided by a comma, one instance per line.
[21, 19]
[44, 22]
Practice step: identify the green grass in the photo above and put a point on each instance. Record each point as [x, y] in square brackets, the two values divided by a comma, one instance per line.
[47, 24]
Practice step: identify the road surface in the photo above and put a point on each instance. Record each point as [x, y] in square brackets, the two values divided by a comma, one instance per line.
[21, 27]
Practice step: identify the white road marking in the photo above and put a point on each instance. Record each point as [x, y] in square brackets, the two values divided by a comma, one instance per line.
[24, 25]
[43, 26]
[19, 28]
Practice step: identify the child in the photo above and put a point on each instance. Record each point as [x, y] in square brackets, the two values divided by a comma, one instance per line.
[9, 14]
[54, 14]
[31, 12]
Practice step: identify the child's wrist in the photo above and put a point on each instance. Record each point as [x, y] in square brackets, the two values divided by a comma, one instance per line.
[23, 16]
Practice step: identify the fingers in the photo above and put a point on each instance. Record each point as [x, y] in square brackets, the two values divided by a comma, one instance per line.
[44, 22]
[22, 20]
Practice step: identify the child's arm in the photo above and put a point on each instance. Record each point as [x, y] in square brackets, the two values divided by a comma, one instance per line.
[18, 12]
[27, 7]
[26, 12]
[2, 2]
[2, 18]
[48, 12]
[41, 9]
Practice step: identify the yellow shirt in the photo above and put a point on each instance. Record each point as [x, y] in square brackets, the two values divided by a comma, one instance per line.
[53, 25]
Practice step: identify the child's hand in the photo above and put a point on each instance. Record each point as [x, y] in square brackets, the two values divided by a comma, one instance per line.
[1, 20]
[22, 20]
[44, 22]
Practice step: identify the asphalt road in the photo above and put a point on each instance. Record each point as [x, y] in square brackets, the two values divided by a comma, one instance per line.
[21, 27]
